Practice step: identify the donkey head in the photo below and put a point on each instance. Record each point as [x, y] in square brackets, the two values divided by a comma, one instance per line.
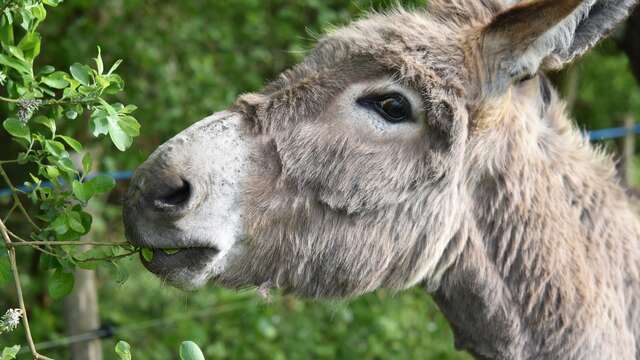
[355, 169]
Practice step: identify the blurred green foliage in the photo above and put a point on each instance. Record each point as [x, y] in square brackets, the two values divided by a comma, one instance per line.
[185, 60]
[606, 89]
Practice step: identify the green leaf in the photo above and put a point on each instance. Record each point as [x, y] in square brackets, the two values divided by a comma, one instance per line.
[82, 73]
[60, 283]
[16, 52]
[75, 222]
[99, 63]
[56, 80]
[81, 191]
[129, 109]
[39, 12]
[10, 353]
[47, 69]
[190, 351]
[114, 66]
[85, 90]
[97, 252]
[147, 254]
[101, 184]
[49, 123]
[116, 84]
[85, 219]
[15, 64]
[6, 33]
[118, 136]
[52, 3]
[17, 128]
[108, 108]
[55, 148]
[65, 164]
[48, 262]
[60, 225]
[71, 114]
[129, 125]
[98, 123]
[87, 161]
[28, 20]
[73, 143]
[5, 269]
[30, 46]
[52, 172]
[9, 17]
[123, 349]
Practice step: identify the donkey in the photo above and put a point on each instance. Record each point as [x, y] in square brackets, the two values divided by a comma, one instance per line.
[411, 148]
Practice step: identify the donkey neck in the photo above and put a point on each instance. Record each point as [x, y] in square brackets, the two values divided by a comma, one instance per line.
[550, 261]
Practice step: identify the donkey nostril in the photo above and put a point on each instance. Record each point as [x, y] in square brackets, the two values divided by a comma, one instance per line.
[177, 196]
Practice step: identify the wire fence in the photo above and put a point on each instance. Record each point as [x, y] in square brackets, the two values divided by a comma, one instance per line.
[613, 133]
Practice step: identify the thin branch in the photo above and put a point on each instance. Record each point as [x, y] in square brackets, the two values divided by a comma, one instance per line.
[52, 101]
[64, 243]
[13, 235]
[22, 241]
[9, 100]
[16, 278]
[16, 199]
[108, 258]
[13, 208]
[35, 245]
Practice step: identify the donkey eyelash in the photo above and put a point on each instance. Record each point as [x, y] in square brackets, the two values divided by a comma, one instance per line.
[418, 107]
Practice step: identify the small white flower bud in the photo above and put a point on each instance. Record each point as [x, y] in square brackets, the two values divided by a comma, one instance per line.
[10, 320]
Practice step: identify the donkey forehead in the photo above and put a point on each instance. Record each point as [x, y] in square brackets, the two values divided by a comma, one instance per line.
[414, 47]
[397, 30]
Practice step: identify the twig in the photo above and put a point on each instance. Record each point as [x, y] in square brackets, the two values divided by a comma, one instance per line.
[16, 199]
[77, 243]
[13, 208]
[9, 100]
[16, 278]
[52, 101]
[11, 234]
[107, 258]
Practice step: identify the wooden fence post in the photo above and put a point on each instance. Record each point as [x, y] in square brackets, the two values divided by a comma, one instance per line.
[81, 314]
[627, 152]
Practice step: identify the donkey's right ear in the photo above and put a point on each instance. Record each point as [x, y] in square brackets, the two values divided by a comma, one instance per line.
[544, 34]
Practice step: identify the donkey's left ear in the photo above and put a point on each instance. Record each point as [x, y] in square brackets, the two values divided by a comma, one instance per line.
[544, 34]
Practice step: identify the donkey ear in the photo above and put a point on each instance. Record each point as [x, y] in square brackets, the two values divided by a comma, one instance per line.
[545, 34]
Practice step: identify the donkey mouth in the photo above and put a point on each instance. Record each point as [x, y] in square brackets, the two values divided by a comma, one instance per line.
[168, 264]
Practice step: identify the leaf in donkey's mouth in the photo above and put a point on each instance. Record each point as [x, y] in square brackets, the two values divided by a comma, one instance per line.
[147, 254]
[170, 251]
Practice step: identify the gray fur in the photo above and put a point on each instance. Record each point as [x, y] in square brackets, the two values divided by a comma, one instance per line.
[552, 34]
[493, 200]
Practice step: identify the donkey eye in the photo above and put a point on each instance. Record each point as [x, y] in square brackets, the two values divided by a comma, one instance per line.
[394, 108]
